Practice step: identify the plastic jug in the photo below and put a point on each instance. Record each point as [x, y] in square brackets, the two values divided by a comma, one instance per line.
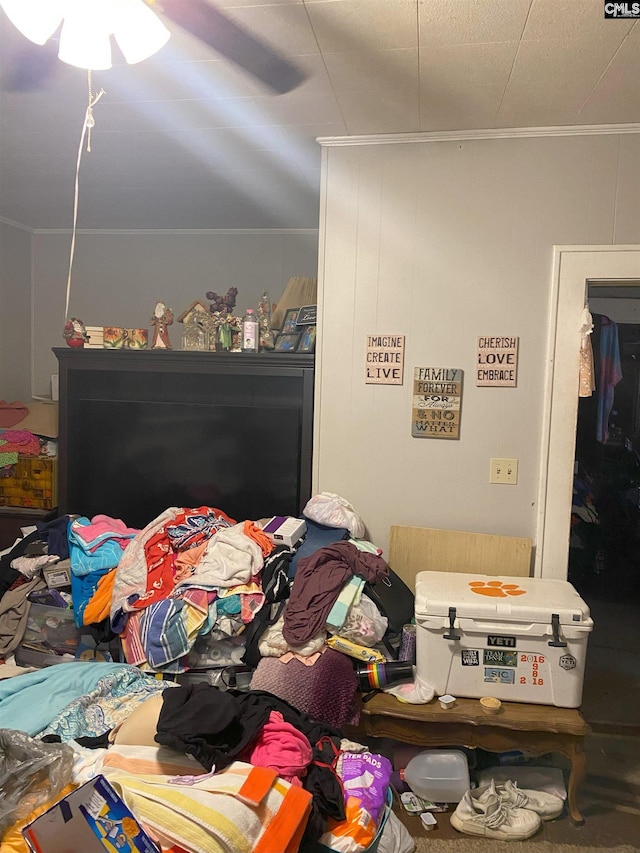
[439, 775]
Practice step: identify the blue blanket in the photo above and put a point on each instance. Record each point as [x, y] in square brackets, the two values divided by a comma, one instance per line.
[31, 701]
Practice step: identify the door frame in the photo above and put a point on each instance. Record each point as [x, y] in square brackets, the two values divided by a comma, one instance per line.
[573, 268]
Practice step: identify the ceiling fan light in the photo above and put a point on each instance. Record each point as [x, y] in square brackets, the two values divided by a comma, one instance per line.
[138, 31]
[84, 46]
[37, 20]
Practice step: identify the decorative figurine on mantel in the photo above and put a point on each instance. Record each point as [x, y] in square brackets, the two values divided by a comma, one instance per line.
[161, 320]
[200, 328]
[229, 331]
[266, 336]
[222, 304]
[75, 333]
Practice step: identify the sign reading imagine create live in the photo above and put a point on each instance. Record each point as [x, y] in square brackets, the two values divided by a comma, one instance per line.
[437, 395]
[385, 359]
[497, 361]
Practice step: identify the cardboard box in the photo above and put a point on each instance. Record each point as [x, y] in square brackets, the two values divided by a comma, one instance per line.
[285, 530]
[42, 418]
[58, 575]
[516, 639]
[91, 819]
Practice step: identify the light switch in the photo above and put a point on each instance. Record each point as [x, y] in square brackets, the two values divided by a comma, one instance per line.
[504, 471]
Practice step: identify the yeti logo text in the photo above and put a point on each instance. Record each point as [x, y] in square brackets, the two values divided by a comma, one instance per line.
[621, 10]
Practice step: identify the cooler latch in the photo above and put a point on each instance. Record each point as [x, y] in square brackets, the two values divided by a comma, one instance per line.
[452, 618]
[555, 627]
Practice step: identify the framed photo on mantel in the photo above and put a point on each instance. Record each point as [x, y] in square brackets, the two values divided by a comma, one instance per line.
[290, 321]
[308, 339]
[287, 342]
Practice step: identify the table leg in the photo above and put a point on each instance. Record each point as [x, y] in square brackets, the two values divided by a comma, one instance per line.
[578, 758]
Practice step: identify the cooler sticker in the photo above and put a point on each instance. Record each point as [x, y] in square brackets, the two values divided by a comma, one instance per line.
[470, 657]
[568, 662]
[536, 662]
[499, 676]
[495, 589]
[496, 640]
[501, 657]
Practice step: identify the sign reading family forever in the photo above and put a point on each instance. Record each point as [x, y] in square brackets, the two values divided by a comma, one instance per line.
[497, 362]
[385, 359]
[437, 395]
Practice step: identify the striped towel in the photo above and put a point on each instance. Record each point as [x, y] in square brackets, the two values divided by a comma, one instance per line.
[243, 808]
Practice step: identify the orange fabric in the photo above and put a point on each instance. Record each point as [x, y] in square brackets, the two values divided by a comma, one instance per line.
[258, 535]
[99, 604]
[258, 784]
[191, 557]
[285, 830]
[13, 840]
[160, 558]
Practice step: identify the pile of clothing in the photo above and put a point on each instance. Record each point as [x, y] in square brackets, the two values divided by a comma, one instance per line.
[198, 767]
[26, 431]
[195, 587]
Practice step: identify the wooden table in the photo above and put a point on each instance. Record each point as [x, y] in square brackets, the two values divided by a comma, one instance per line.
[536, 729]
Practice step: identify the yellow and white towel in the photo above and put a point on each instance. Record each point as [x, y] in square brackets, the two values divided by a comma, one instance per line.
[242, 808]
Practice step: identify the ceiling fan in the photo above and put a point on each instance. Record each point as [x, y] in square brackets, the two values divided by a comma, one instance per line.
[30, 67]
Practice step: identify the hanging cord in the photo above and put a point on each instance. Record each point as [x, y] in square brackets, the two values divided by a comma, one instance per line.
[88, 123]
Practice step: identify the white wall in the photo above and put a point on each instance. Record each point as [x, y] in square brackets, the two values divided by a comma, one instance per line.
[15, 313]
[444, 241]
[117, 278]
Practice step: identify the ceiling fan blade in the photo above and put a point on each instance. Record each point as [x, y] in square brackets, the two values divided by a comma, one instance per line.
[214, 28]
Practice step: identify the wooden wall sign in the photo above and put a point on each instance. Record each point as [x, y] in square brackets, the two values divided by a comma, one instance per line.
[497, 361]
[384, 360]
[437, 396]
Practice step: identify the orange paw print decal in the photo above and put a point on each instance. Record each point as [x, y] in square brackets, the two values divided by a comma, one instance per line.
[495, 589]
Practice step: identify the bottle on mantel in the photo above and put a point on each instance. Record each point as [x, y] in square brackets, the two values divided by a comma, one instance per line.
[249, 332]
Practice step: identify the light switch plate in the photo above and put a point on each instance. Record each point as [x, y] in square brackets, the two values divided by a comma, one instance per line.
[504, 471]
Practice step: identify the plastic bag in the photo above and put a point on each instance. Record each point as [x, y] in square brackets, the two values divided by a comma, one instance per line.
[364, 623]
[333, 511]
[32, 773]
[395, 837]
[366, 775]
[365, 779]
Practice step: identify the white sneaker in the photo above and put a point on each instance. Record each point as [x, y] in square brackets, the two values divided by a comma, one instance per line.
[489, 816]
[546, 805]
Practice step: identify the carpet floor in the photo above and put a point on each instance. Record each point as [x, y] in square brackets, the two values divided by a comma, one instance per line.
[601, 833]
[609, 800]
[471, 845]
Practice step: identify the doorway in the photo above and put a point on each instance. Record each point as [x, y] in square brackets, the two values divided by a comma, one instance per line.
[604, 544]
[612, 683]
[573, 268]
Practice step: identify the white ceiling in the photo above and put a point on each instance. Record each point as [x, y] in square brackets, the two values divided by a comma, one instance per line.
[185, 140]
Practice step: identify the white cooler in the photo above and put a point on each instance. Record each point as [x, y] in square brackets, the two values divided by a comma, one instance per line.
[518, 639]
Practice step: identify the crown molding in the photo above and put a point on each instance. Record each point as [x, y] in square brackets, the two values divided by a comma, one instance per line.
[220, 232]
[469, 135]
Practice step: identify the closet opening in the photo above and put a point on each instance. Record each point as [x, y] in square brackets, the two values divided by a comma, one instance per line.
[604, 544]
